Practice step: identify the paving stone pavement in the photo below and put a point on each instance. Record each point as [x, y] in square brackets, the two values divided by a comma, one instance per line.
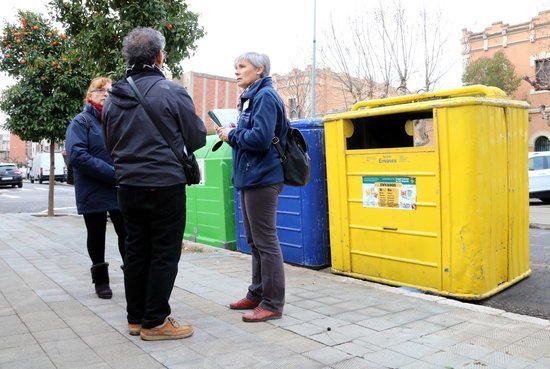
[50, 317]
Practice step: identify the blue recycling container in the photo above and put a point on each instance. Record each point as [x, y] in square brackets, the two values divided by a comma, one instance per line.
[302, 215]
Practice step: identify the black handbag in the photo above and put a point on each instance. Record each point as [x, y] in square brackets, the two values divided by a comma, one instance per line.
[294, 158]
[187, 160]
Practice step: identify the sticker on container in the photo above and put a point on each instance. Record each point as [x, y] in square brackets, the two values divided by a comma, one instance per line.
[202, 169]
[389, 192]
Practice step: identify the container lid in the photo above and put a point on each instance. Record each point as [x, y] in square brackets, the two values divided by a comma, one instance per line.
[307, 123]
[469, 95]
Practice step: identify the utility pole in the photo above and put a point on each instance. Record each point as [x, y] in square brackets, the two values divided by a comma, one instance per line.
[313, 66]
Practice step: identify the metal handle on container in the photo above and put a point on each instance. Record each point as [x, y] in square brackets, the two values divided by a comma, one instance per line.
[457, 92]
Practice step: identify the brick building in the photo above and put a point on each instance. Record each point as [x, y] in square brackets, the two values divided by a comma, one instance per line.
[210, 92]
[332, 92]
[527, 46]
[19, 150]
[216, 92]
[13, 149]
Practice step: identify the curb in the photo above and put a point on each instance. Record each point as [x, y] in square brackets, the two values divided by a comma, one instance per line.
[539, 226]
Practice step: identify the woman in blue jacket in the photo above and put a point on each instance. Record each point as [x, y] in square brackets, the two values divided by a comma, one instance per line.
[258, 175]
[94, 179]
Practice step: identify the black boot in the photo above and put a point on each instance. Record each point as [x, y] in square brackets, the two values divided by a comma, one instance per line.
[100, 277]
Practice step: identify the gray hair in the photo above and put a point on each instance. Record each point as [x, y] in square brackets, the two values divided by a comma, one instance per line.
[142, 45]
[256, 59]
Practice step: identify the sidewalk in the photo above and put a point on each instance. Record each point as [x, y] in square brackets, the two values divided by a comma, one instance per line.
[539, 216]
[52, 319]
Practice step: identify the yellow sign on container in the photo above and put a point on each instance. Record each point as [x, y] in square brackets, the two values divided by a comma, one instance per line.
[431, 191]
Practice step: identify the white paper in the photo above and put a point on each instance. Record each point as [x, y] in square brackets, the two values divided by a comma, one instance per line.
[224, 117]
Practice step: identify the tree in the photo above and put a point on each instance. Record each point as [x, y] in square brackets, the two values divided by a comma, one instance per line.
[49, 88]
[433, 42]
[496, 71]
[399, 35]
[98, 28]
[294, 88]
[350, 61]
[387, 46]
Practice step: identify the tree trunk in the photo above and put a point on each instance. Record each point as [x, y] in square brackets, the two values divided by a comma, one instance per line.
[51, 179]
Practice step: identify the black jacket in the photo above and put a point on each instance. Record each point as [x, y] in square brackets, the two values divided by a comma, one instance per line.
[141, 156]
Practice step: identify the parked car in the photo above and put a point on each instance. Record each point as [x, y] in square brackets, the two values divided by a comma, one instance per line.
[10, 175]
[40, 168]
[539, 175]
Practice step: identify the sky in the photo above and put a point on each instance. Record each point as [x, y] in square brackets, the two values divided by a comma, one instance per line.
[283, 29]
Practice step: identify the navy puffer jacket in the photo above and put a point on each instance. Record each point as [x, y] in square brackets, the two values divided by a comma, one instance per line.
[256, 162]
[94, 174]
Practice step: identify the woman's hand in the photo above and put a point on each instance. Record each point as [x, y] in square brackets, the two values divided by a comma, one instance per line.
[223, 133]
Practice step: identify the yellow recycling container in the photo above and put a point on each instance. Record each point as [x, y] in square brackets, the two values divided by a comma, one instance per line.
[431, 191]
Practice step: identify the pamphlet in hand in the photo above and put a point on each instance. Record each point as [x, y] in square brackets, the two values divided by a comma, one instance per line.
[224, 117]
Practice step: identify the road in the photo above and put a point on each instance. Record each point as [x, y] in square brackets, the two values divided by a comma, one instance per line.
[33, 198]
[530, 297]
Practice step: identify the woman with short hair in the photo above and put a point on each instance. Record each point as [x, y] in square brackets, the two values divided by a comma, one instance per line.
[94, 179]
[258, 175]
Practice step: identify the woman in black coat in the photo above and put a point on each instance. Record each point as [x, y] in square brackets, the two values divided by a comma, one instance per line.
[94, 177]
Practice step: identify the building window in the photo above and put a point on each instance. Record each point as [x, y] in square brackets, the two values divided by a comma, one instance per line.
[542, 143]
[542, 69]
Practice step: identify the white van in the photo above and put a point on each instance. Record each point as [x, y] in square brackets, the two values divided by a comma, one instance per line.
[40, 168]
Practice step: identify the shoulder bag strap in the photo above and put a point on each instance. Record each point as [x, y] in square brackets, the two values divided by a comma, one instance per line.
[88, 124]
[277, 143]
[165, 133]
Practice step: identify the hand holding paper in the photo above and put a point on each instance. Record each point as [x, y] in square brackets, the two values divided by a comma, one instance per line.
[224, 117]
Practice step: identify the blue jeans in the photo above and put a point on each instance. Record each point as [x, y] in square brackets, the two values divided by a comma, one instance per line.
[154, 221]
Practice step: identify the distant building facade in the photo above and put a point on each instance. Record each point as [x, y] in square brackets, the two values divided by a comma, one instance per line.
[210, 92]
[527, 46]
[19, 150]
[333, 91]
[14, 150]
[216, 92]
[4, 146]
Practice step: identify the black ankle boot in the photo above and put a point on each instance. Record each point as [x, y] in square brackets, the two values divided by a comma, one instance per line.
[100, 277]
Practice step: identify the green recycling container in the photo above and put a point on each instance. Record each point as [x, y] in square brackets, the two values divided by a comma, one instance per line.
[210, 207]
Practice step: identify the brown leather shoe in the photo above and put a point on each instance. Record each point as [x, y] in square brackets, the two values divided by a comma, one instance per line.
[134, 329]
[170, 330]
[261, 315]
[244, 304]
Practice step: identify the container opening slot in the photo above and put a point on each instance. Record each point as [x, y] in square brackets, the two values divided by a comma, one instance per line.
[413, 129]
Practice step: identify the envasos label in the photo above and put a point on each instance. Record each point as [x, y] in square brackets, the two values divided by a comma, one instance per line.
[389, 192]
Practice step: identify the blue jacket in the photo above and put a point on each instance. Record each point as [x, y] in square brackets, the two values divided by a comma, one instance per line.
[94, 174]
[256, 162]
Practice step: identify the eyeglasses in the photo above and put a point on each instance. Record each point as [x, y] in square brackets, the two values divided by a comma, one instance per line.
[101, 90]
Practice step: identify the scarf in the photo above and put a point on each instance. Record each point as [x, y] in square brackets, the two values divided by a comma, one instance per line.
[97, 107]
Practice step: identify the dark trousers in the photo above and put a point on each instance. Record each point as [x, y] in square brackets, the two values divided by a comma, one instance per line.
[259, 207]
[155, 221]
[96, 224]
